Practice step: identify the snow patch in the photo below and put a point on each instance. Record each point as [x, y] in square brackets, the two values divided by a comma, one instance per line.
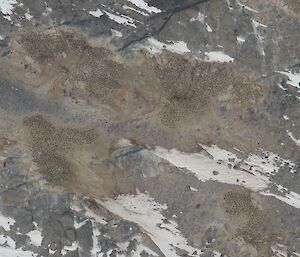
[286, 117]
[247, 7]
[219, 165]
[78, 225]
[260, 42]
[7, 252]
[121, 19]
[290, 198]
[6, 7]
[293, 78]
[229, 5]
[70, 248]
[6, 240]
[28, 16]
[144, 6]
[98, 13]
[208, 28]
[97, 218]
[240, 39]
[200, 17]
[35, 237]
[296, 141]
[154, 46]
[143, 210]
[141, 248]
[205, 169]
[125, 7]
[6, 222]
[96, 249]
[218, 56]
[116, 33]
[279, 250]
[193, 189]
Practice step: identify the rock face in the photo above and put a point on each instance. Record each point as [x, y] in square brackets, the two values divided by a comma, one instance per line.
[149, 128]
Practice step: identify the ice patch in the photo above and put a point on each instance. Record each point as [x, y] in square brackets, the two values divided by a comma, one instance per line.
[218, 56]
[144, 6]
[154, 46]
[143, 210]
[6, 222]
[121, 19]
[296, 141]
[293, 78]
[35, 237]
[96, 13]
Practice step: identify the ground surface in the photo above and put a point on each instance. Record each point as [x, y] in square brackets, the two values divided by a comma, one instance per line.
[149, 128]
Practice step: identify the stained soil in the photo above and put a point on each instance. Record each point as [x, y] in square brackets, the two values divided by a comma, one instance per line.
[49, 146]
[189, 86]
[89, 68]
[176, 95]
[70, 98]
[256, 225]
[183, 86]
[169, 100]
[294, 5]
